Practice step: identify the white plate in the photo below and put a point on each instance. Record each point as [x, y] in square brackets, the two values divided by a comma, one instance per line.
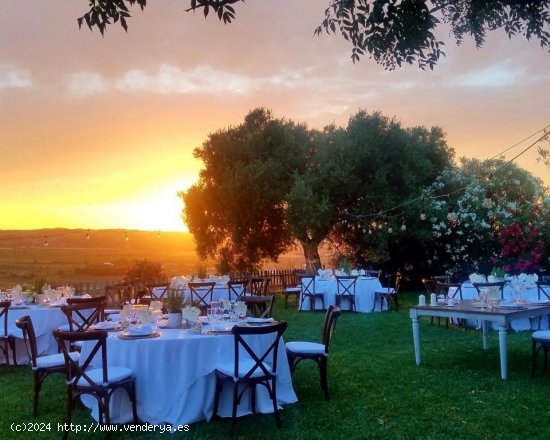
[511, 306]
[259, 320]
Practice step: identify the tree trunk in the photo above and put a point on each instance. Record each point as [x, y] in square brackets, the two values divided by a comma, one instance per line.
[311, 254]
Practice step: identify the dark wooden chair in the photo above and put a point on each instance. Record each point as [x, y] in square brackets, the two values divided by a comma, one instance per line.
[317, 352]
[498, 284]
[258, 286]
[345, 290]
[259, 306]
[202, 294]
[118, 295]
[158, 290]
[236, 288]
[291, 287]
[250, 368]
[390, 292]
[8, 340]
[83, 315]
[41, 366]
[540, 340]
[100, 383]
[307, 284]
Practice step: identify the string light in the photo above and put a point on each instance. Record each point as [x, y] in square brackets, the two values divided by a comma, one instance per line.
[88, 235]
[403, 226]
[158, 235]
[46, 244]
[422, 215]
[126, 238]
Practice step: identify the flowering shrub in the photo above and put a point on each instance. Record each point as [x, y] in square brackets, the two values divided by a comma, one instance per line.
[522, 249]
[469, 236]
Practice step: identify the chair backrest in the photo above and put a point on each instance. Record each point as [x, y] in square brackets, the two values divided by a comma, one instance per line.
[161, 290]
[498, 284]
[307, 284]
[393, 287]
[373, 273]
[345, 285]
[259, 306]
[76, 369]
[86, 300]
[261, 357]
[4, 307]
[332, 314]
[29, 336]
[430, 285]
[236, 288]
[256, 286]
[84, 315]
[202, 293]
[543, 288]
[118, 295]
[449, 290]
[545, 279]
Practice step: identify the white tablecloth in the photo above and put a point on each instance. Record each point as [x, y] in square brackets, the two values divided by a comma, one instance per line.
[364, 294]
[175, 377]
[531, 294]
[44, 320]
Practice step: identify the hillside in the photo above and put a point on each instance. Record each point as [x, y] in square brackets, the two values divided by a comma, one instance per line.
[106, 255]
[70, 257]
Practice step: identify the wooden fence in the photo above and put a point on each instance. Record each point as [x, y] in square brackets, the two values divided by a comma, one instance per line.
[280, 278]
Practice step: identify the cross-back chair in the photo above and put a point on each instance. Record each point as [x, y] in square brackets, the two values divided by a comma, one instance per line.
[291, 287]
[101, 382]
[498, 284]
[7, 339]
[82, 316]
[317, 352]
[250, 368]
[236, 288]
[202, 294]
[307, 284]
[390, 292]
[118, 295]
[259, 306]
[345, 290]
[41, 366]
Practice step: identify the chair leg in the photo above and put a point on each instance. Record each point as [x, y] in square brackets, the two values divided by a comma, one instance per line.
[234, 409]
[37, 387]
[12, 344]
[134, 403]
[324, 376]
[275, 404]
[253, 398]
[69, 414]
[217, 392]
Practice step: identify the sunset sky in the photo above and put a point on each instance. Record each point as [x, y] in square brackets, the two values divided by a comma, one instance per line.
[98, 132]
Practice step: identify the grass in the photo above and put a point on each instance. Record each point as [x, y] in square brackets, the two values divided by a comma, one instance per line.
[377, 391]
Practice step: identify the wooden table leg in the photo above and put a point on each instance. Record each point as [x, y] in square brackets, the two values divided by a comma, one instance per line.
[503, 346]
[416, 340]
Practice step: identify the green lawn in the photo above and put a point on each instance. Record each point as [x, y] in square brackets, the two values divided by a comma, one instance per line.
[377, 391]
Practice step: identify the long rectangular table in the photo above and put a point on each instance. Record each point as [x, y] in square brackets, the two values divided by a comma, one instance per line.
[500, 316]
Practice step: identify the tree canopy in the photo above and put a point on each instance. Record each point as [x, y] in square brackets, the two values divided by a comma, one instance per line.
[392, 32]
[269, 183]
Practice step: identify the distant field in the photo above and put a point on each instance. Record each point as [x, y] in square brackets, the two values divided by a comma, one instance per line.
[71, 258]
